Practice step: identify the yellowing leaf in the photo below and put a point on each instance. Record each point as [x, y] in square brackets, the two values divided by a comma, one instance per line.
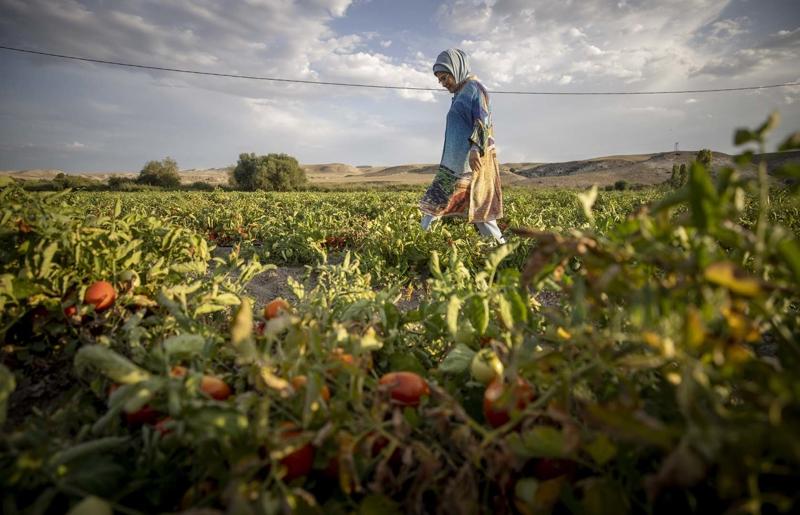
[724, 273]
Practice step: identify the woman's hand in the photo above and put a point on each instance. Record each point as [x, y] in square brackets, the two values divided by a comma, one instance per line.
[474, 160]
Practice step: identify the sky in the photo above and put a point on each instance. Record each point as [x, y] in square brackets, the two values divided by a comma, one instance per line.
[78, 116]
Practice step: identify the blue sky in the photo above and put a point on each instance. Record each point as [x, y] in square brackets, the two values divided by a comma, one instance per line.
[88, 117]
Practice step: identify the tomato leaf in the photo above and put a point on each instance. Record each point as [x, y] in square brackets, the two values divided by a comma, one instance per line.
[457, 360]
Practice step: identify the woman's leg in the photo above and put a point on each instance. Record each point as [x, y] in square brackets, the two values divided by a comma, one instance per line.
[491, 229]
[427, 220]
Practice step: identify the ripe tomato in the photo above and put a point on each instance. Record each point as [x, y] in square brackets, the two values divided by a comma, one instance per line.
[215, 387]
[406, 388]
[211, 385]
[275, 307]
[101, 295]
[498, 405]
[144, 415]
[299, 382]
[299, 462]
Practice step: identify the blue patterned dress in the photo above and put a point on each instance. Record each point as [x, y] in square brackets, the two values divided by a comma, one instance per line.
[456, 190]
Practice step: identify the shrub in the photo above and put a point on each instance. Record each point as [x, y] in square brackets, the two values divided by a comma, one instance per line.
[160, 173]
[120, 183]
[277, 172]
[201, 186]
[704, 157]
[621, 185]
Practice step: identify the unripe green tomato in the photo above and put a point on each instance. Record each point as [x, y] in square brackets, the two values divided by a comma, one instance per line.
[130, 277]
[486, 366]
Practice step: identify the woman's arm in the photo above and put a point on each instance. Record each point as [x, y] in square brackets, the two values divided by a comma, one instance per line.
[480, 123]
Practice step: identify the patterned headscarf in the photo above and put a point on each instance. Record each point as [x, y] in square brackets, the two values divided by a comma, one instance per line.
[455, 62]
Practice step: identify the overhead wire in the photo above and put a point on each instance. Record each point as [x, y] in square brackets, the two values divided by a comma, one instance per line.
[380, 86]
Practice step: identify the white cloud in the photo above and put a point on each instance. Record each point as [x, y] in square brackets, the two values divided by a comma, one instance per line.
[595, 42]
[725, 30]
[691, 101]
[287, 39]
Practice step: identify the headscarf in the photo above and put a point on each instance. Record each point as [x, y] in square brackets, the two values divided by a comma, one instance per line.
[455, 62]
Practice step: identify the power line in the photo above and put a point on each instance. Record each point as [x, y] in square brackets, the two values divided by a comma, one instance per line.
[377, 86]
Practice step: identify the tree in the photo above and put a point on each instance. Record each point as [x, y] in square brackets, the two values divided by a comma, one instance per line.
[277, 172]
[683, 175]
[674, 178]
[704, 158]
[160, 173]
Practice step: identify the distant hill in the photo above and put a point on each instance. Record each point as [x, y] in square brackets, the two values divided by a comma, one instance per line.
[635, 169]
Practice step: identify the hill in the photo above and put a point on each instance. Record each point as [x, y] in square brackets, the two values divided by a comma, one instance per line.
[643, 169]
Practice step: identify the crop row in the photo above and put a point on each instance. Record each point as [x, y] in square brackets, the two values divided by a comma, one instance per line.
[663, 380]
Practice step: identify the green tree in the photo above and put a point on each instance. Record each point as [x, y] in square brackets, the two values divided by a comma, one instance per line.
[704, 157]
[675, 176]
[160, 173]
[278, 172]
[683, 175]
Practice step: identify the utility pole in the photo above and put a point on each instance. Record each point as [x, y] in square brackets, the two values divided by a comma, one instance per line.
[676, 147]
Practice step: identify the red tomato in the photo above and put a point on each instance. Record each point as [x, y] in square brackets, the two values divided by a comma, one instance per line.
[215, 387]
[497, 406]
[406, 388]
[144, 415]
[299, 462]
[275, 307]
[101, 295]
[211, 385]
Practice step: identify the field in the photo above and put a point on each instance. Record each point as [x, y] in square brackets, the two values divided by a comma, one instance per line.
[624, 352]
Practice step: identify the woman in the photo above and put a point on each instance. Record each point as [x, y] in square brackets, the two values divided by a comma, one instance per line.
[467, 183]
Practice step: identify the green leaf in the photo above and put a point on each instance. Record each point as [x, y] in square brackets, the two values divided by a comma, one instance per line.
[790, 143]
[405, 361]
[504, 309]
[742, 136]
[789, 250]
[497, 256]
[702, 198]
[771, 123]
[24, 288]
[453, 306]
[602, 450]
[519, 308]
[539, 442]
[98, 446]
[47, 259]
[479, 313]
[109, 363]
[376, 504]
[458, 360]
[7, 385]
[184, 345]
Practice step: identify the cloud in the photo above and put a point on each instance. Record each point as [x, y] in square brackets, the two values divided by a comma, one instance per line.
[596, 42]
[248, 37]
[724, 30]
[776, 52]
